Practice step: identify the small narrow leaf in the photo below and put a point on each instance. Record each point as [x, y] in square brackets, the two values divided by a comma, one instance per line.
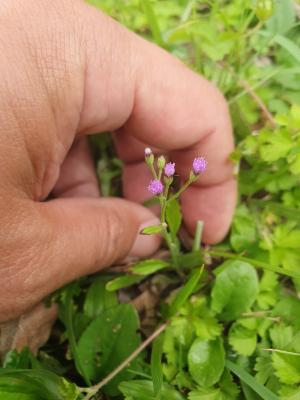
[156, 365]
[151, 230]
[122, 282]
[186, 291]
[148, 267]
[173, 216]
[245, 377]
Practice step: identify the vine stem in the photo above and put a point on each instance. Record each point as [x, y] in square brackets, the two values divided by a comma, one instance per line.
[91, 391]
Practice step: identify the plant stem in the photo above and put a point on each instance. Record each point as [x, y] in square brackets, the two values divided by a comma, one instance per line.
[91, 391]
[182, 189]
[198, 235]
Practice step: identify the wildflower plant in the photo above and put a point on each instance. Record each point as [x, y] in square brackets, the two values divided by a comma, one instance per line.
[161, 186]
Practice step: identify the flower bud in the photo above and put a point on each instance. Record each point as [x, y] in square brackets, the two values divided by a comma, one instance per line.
[161, 162]
[264, 9]
[149, 157]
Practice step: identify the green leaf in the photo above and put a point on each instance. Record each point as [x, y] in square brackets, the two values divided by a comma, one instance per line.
[153, 22]
[108, 341]
[242, 340]
[206, 361]
[275, 146]
[287, 368]
[98, 299]
[243, 231]
[190, 260]
[151, 230]
[67, 310]
[143, 390]
[186, 291]
[173, 216]
[246, 378]
[122, 282]
[148, 267]
[156, 365]
[235, 289]
[40, 384]
[283, 18]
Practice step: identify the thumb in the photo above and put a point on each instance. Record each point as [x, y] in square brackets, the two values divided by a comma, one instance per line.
[72, 237]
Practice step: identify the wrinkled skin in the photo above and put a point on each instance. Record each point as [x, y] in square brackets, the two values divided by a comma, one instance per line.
[67, 70]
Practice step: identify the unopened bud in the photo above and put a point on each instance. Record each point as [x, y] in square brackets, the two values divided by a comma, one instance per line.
[161, 162]
[264, 9]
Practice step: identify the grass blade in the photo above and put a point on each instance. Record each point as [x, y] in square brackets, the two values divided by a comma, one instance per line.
[153, 23]
[186, 291]
[255, 263]
[248, 379]
[156, 366]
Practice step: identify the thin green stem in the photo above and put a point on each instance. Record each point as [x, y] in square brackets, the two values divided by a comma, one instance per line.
[198, 236]
[181, 190]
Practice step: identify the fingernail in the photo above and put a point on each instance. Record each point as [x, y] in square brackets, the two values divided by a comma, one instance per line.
[145, 245]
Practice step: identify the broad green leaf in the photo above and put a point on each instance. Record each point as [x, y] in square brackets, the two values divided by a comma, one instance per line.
[235, 289]
[39, 383]
[173, 216]
[151, 230]
[242, 340]
[98, 299]
[108, 341]
[122, 282]
[206, 361]
[264, 367]
[148, 267]
[283, 17]
[186, 291]
[18, 396]
[143, 390]
[281, 336]
[156, 365]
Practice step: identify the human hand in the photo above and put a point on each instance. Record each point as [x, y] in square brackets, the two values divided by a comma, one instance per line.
[68, 70]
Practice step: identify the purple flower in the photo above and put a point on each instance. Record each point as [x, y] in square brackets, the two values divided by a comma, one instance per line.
[155, 186]
[199, 165]
[169, 169]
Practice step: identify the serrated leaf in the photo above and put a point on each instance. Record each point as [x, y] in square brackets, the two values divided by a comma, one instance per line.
[206, 361]
[235, 289]
[242, 340]
[108, 341]
[173, 216]
[148, 267]
[151, 230]
[281, 336]
[287, 368]
[122, 282]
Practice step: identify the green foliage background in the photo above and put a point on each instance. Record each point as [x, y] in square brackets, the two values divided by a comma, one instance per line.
[233, 331]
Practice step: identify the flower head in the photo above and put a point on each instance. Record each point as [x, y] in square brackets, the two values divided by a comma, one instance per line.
[169, 169]
[199, 165]
[155, 186]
